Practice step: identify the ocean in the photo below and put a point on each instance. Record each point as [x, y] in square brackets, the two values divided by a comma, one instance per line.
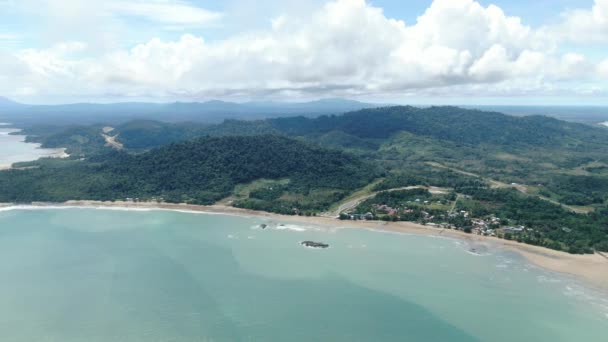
[153, 275]
[13, 148]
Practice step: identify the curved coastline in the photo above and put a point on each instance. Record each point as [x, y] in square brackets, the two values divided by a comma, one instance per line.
[593, 269]
[46, 152]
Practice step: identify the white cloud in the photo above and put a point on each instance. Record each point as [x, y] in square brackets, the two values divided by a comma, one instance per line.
[165, 11]
[603, 68]
[104, 25]
[345, 48]
[585, 25]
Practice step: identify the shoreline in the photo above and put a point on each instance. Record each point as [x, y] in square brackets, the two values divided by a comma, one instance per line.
[59, 152]
[591, 268]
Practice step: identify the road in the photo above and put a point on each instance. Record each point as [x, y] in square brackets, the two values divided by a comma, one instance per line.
[111, 140]
[455, 202]
[519, 187]
[355, 201]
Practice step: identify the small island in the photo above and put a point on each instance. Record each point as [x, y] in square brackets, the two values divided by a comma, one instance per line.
[312, 244]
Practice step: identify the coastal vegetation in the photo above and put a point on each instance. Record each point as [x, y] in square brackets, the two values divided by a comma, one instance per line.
[200, 171]
[504, 172]
[504, 213]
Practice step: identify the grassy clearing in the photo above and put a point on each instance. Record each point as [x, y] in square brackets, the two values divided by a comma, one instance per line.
[243, 190]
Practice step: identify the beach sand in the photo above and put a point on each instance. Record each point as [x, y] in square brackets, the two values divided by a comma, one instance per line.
[593, 269]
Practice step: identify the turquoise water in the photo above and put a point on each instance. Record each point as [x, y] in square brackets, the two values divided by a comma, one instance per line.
[117, 275]
[14, 149]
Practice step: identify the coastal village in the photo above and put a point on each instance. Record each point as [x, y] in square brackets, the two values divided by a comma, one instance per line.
[438, 213]
[429, 211]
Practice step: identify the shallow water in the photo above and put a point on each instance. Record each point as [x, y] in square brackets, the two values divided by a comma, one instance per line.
[13, 148]
[117, 275]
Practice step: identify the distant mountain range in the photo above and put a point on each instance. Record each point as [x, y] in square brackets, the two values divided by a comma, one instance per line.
[216, 111]
[210, 111]
[583, 114]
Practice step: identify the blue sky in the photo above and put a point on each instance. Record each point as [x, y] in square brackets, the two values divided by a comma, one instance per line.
[536, 13]
[416, 51]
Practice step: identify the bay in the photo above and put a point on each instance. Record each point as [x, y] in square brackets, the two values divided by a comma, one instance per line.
[153, 275]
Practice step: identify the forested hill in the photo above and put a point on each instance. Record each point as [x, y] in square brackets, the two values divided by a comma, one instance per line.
[543, 173]
[453, 124]
[222, 162]
[446, 123]
[198, 171]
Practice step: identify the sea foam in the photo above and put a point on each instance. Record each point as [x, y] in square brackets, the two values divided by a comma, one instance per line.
[291, 227]
[116, 208]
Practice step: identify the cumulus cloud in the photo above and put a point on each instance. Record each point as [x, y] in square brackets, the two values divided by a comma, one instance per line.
[345, 48]
[585, 25]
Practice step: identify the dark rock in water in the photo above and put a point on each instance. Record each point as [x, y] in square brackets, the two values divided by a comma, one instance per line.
[478, 249]
[263, 226]
[313, 244]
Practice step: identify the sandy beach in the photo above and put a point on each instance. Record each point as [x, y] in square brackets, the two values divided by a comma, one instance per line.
[593, 269]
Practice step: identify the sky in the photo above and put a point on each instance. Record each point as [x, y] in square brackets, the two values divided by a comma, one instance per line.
[502, 52]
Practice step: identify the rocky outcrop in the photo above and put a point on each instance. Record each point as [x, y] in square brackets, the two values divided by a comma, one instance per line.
[313, 244]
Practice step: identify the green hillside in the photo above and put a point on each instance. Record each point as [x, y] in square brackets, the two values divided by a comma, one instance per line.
[198, 171]
[454, 124]
[561, 160]
[547, 175]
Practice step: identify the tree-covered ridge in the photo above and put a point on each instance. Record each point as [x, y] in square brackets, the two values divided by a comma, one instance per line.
[139, 135]
[475, 157]
[560, 160]
[223, 162]
[78, 140]
[446, 123]
[199, 171]
[443, 123]
[366, 129]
